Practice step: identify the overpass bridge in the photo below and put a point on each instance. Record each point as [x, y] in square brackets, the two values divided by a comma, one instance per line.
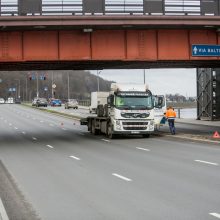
[97, 34]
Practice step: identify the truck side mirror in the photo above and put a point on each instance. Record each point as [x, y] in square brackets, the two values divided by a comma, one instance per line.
[110, 100]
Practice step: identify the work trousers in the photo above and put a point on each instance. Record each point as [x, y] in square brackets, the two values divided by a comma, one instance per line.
[172, 126]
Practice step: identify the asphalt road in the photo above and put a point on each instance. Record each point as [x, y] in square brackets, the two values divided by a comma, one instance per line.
[66, 173]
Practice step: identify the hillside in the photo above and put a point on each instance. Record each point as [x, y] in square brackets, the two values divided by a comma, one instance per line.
[82, 83]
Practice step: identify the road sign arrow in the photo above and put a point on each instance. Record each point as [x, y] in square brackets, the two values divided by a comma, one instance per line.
[195, 50]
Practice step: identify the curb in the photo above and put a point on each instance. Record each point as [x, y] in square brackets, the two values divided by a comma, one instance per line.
[3, 213]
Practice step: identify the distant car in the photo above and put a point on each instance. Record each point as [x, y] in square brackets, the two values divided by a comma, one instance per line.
[2, 101]
[71, 103]
[17, 101]
[38, 102]
[55, 102]
[10, 100]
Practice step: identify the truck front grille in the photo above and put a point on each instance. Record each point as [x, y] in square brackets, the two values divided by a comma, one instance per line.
[135, 125]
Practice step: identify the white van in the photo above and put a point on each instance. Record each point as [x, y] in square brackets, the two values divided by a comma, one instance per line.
[10, 100]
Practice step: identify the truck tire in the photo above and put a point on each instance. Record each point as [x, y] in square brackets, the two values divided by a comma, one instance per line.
[94, 130]
[146, 135]
[110, 134]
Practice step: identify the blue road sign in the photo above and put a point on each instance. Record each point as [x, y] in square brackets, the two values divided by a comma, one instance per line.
[199, 50]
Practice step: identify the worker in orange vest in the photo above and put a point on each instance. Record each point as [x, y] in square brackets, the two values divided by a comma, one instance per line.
[171, 115]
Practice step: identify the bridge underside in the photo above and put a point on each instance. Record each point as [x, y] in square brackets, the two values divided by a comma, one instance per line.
[94, 65]
[109, 49]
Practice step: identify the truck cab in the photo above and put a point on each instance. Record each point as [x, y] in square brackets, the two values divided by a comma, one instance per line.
[130, 110]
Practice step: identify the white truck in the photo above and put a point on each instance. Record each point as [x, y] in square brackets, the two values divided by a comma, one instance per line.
[97, 98]
[129, 109]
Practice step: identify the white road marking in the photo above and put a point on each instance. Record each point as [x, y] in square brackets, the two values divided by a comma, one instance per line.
[34, 138]
[10, 124]
[202, 161]
[64, 129]
[15, 128]
[50, 146]
[51, 125]
[121, 177]
[76, 158]
[215, 215]
[23, 132]
[3, 213]
[41, 121]
[140, 148]
[105, 140]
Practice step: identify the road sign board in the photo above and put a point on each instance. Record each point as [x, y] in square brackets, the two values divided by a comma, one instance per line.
[200, 50]
[54, 86]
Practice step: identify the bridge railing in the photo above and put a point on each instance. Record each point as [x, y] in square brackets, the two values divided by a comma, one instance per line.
[109, 7]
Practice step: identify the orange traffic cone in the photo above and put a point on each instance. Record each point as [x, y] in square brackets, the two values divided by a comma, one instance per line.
[216, 135]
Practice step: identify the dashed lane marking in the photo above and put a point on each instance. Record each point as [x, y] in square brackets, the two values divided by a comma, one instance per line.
[105, 140]
[15, 128]
[34, 138]
[206, 162]
[3, 213]
[144, 149]
[122, 177]
[76, 158]
[50, 146]
[215, 215]
[23, 132]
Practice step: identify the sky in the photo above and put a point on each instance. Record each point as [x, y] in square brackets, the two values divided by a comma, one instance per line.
[160, 81]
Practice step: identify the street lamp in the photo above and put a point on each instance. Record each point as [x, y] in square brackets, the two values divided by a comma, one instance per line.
[19, 87]
[98, 73]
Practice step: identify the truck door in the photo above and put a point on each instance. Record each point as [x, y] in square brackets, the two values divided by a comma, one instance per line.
[159, 108]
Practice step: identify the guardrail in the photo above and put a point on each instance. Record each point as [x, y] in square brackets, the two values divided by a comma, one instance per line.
[109, 7]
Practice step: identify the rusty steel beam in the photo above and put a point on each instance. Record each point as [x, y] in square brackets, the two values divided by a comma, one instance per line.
[103, 22]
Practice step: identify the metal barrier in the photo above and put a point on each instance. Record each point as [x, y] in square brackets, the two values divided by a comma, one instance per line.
[109, 7]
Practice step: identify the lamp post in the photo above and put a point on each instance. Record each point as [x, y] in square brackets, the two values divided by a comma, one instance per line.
[68, 86]
[19, 88]
[144, 76]
[98, 73]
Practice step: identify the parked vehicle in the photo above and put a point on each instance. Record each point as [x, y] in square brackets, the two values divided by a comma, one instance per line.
[10, 100]
[38, 102]
[97, 98]
[71, 103]
[129, 109]
[55, 102]
[17, 101]
[2, 101]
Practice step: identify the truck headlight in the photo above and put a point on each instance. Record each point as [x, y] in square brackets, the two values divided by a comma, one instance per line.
[151, 127]
[118, 125]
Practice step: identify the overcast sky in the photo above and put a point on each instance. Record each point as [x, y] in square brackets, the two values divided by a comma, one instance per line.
[160, 81]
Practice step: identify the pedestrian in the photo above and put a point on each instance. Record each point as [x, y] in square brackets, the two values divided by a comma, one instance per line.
[171, 115]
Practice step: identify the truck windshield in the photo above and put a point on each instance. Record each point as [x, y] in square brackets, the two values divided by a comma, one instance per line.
[134, 102]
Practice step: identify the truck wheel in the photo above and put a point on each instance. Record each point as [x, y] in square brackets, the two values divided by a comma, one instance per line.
[110, 134]
[94, 130]
[146, 135]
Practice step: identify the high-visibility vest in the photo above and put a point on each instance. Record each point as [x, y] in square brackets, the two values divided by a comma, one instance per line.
[170, 114]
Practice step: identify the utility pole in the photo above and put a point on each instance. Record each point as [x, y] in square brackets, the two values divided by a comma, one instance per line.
[144, 76]
[26, 90]
[52, 86]
[68, 82]
[98, 73]
[37, 85]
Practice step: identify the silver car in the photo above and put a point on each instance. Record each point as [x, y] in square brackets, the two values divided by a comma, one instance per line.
[71, 103]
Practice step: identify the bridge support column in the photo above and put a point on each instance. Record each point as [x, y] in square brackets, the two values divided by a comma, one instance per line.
[208, 94]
